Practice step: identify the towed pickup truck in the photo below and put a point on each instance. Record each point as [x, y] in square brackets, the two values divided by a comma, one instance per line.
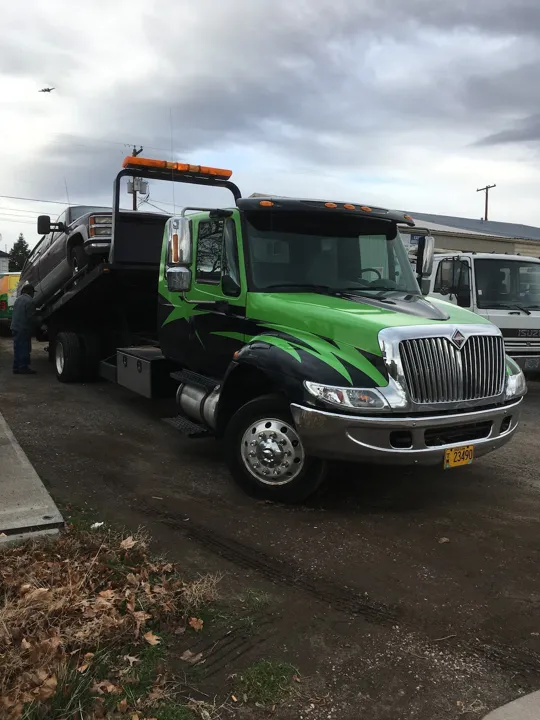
[80, 238]
[293, 330]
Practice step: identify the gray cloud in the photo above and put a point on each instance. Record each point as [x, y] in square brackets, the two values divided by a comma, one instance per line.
[336, 84]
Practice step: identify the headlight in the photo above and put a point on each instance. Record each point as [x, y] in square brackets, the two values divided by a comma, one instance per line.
[516, 385]
[353, 398]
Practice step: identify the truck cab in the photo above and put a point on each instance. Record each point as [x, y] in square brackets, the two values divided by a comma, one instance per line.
[504, 289]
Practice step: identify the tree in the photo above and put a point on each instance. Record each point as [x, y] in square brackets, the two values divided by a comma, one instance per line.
[18, 254]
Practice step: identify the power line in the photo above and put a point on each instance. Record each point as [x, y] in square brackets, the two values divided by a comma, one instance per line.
[16, 197]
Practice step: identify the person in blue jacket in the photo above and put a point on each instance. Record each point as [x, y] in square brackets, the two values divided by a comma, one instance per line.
[23, 323]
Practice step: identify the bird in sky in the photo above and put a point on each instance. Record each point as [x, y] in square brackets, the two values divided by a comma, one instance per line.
[47, 89]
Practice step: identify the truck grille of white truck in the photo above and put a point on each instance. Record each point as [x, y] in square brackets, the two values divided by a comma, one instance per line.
[436, 371]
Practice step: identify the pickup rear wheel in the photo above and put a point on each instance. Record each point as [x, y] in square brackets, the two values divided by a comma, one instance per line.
[265, 454]
[68, 357]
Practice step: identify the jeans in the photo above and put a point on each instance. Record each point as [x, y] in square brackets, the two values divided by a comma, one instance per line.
[22, 347]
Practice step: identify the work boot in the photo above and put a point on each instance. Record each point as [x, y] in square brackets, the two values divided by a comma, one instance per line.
[27, 371]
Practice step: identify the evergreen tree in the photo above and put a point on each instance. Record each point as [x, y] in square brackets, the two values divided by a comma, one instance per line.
[18, 254]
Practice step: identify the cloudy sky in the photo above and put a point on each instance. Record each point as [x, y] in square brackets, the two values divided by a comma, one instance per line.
[412, 104]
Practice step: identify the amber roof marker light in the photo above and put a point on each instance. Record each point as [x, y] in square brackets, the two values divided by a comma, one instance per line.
[133, 161]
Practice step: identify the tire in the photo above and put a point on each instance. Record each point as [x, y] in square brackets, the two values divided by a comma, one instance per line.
[68, 357]
[78, 259]
[269, 416]
[90, 356]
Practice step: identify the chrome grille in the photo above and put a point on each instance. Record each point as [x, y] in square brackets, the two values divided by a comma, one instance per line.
[437, 372]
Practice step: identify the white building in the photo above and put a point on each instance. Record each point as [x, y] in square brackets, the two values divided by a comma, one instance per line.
[4, 262]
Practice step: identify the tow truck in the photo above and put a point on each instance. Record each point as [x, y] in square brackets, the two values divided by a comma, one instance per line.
[503, 288]
[292, 330]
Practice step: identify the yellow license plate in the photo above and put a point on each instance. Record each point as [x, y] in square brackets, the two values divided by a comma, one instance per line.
[454, 457]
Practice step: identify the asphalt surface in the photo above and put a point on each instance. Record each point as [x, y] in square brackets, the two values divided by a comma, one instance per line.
[400, 593]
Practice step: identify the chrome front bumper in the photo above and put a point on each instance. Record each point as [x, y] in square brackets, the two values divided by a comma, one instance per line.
[93, 246]
[374, 439]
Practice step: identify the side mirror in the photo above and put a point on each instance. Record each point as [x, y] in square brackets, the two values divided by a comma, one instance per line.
[43, 225]
[424, 259]
[425, 284]
[178, 279]
[180, 247]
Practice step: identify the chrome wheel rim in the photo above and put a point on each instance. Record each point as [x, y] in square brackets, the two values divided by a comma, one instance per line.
[59, 358]
[272, 451]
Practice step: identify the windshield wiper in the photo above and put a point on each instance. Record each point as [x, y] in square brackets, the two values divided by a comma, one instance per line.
[511, 306]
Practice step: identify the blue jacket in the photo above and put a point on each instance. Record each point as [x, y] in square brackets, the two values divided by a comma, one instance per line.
[24, 314]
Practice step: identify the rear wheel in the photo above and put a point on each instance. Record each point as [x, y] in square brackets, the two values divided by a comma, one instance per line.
[265, 454]
[68, 357]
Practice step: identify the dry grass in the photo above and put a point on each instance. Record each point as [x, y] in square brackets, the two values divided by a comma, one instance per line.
[80, 617]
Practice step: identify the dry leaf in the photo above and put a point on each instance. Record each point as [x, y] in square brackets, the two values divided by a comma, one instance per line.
[234, 699]
[196, 624]
[167, 568]
[105, 686]
[296, 678]
[443, 540]
[131, 660]
[135, 717]
[107, 594]
[180, 630]
[82, 668]
[189, 657]
[128, 543]
[157, 694]
[25, 644]
[48, 688]
[151, 639]
[122, 706]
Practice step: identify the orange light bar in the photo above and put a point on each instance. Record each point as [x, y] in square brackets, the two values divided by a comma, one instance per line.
[266, 203]
[408, 217]
[348, 206]
[365, 208]
[136, 161]
[330, 205]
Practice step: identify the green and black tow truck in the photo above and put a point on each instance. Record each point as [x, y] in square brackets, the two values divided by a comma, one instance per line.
[293, 330]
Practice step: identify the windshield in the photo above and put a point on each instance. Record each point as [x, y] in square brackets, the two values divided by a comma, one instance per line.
[80, 210]
[295, 252]
[507, 283]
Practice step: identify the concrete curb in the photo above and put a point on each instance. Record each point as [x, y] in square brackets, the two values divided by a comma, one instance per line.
[26, 508]
[525, 708]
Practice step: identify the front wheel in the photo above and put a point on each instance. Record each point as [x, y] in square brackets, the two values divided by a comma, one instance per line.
[265, 454]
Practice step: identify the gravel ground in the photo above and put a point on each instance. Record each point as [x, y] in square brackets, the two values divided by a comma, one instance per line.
[382, 617]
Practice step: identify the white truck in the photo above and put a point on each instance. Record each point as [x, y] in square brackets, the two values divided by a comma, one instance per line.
[505, 289]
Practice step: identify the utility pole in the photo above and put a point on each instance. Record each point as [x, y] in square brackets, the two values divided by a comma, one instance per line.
[486, 190]
[135, 152]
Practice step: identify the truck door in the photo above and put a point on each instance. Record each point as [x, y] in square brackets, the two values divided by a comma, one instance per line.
[218, 328]
[52, 269]
[453, 281]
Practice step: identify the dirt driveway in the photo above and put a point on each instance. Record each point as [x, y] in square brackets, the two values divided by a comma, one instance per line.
[397, 594]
